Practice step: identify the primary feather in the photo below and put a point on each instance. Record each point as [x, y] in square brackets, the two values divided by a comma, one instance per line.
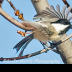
[63, 10]
[23, 44]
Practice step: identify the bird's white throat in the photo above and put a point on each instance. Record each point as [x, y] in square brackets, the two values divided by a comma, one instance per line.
[59, 27]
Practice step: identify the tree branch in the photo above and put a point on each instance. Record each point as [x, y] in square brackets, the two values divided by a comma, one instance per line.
[15, 22]
[66, 3]
[24, 57]
[38, 52]
[1, 2]
[65, 48]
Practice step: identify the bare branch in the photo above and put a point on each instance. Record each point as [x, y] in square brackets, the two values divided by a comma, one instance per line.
[12, 5]
[1, 2]
[66, 3]
[23, 57]
[36, 53]
[15, 22]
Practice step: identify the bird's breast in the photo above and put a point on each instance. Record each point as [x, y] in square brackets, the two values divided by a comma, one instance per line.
[47, 34]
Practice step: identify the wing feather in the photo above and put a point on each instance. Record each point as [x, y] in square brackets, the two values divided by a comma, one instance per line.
[70, 17]
[37, 25]
[67, 12]
[58, 10]
[63, 10]
[52, 8]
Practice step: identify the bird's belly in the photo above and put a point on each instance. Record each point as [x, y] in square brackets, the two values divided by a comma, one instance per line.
[44, 37]
[41, 36]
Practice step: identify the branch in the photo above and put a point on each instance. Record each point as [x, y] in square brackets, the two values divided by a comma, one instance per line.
[23, 57]
[40, 5]
[1, 2]
[66, 3]
[15, 22]
[36, 53]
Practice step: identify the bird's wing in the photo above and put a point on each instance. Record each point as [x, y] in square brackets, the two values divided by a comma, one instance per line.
[48, 13]
[37, 25]
[52, 13]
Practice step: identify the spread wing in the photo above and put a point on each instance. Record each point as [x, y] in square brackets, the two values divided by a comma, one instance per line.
[37, 25]
[48, 13]
[52, 13]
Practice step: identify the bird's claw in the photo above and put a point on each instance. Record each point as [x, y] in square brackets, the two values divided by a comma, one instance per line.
[53, 45]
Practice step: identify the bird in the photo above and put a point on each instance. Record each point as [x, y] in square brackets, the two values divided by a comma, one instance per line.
[51, 24]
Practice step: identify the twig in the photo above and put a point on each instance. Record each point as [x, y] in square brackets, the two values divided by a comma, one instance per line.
[62, 41]
[15, 22]
[36, 53]
[23, 57]
[12, 5]
[66, 3]
[1, 2]
[17, 12]
[67, 38]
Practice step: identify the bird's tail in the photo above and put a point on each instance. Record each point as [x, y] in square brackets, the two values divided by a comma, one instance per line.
[23, 44]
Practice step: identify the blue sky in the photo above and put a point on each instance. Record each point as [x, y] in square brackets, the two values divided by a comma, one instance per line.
[9, 37]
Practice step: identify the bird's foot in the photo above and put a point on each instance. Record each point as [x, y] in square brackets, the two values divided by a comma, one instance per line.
[55, 44]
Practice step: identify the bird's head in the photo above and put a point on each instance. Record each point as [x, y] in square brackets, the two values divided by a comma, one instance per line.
[61, 25]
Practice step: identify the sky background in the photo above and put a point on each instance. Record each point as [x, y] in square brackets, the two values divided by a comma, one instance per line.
[9, 37]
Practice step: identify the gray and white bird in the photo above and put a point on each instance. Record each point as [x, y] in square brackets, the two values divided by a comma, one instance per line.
[52, 24]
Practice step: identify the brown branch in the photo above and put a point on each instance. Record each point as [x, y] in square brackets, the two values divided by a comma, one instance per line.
[15, 22]
[66, 3]
[1, 2]
[36, 53]
[12, 5]
[23, 57]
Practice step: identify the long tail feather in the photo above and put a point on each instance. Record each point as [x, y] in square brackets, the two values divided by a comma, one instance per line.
[23, 44]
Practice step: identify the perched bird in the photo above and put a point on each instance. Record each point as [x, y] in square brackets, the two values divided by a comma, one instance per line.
[52, 24]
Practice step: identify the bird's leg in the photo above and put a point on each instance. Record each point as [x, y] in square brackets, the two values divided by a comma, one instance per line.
[52, 45]
[24, 33]
[44, 44]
